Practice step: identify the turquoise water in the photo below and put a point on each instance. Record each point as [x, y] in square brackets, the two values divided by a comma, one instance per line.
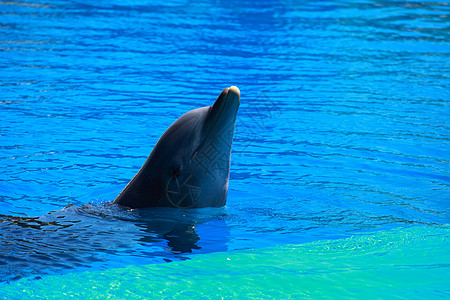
[409, 263]
[342, 137]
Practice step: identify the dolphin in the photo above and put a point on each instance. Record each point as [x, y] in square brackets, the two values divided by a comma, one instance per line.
[189, 166]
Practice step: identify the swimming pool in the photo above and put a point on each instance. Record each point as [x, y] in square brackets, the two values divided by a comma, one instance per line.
[342, 135]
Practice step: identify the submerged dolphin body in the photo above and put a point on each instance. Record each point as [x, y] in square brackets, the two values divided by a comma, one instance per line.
[190, 165]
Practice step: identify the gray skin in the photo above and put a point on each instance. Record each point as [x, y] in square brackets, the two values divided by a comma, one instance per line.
[190, 165]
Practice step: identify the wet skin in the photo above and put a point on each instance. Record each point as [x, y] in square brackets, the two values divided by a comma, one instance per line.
[190, 165]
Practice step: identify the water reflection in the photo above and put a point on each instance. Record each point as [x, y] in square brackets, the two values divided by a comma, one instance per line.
[343, 127]
[100, 236]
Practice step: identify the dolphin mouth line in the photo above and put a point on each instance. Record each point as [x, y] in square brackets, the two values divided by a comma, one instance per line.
[213, 124]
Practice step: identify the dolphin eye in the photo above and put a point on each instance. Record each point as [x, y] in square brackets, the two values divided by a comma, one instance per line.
[176, 173]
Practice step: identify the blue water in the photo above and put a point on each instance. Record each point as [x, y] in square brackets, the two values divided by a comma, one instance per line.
[342, 131]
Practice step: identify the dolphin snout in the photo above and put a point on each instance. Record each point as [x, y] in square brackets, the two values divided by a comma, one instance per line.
[234, 94]
[227, 103]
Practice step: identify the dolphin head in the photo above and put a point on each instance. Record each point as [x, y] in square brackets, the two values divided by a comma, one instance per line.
[189, 167]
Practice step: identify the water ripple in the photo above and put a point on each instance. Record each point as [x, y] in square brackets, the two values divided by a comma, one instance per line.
[343, 125]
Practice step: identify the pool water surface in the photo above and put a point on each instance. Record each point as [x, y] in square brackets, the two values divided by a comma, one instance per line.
[342, 135]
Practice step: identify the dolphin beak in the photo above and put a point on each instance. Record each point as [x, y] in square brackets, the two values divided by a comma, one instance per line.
[234, 97]
[221, 118]
[225, 107]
